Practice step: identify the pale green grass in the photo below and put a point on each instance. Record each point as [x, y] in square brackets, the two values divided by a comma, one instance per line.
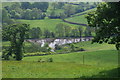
[88, 46]
[78, 19]
[64, 65]
[101, 58]
[81, 18]
[46, 23]
[22, 69]
[87, 11]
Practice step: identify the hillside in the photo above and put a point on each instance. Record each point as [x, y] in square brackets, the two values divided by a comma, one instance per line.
[46, 23]
[96, 64]
[59, 41]
[80, 17]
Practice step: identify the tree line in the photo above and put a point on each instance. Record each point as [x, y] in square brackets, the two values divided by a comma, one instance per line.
[39, 10]
[26, 10]
[61, 31]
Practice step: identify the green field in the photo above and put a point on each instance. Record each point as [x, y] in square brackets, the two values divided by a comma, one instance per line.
[99, 60]
[51, 23]
[46, 23]
[81, 18]
[87, 11]
[78, 19]
[95, 46]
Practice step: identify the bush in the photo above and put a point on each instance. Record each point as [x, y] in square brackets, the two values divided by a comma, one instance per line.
[81, 49]
[45, 60]
[50, 60]
[41, 60]
[57, 47]
[35, 54]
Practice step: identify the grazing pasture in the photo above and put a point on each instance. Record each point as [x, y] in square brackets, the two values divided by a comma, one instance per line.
[98, 61]
[80, 17]
[49, 24]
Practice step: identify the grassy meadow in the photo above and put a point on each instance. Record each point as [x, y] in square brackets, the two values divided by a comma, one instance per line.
[99, 60]
[80, 17]
[46, 23]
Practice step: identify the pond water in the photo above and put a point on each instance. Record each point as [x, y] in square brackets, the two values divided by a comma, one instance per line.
[51, 42]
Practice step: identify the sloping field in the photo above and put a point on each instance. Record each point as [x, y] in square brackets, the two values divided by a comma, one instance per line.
[46, 23]
[80, 17]
[101, 62]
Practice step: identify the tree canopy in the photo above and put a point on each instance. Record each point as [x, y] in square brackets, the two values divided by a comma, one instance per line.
[106, 19]
[15, 33]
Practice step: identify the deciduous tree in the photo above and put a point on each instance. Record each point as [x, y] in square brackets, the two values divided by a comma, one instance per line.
[15, 33]
[107, 20]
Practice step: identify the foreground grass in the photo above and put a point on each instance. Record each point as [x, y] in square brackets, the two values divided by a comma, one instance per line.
[63, 66]
[22, 69]
[100, 60]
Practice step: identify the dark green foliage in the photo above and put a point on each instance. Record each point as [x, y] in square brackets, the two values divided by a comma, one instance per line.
[57, 47]
[35, 33]
[32, 14]
[72, 47]
[69, 10]
[88, 32]
[80, 32]
[54, 15]
[106, 20]
[41, 5]
[15, 34]
[81, 49]
[50, 60]
[35, 47]
[45, 60]
[47, 33]
[26, 10]
[26, 5]
[62, 30]
[6, 18]
[59, 30]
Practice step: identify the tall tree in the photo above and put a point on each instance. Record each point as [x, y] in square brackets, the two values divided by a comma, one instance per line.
[35, 33]
[47, 33]
[16, 35]
[60, 30]
[80, 32]
[88, 31]
[74, 32]
[67, 30]
[107, 20]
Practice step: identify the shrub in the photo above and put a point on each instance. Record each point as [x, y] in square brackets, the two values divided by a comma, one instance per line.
[45, 60]
[41, 60]
[50, 60]
[81, 49]
[57, 47]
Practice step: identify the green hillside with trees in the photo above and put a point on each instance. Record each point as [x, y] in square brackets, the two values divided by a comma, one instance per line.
[76, 40]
